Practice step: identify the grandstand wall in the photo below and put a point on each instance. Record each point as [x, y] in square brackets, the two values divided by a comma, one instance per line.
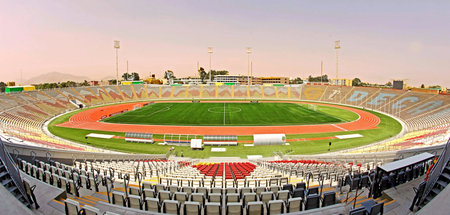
[23, 114]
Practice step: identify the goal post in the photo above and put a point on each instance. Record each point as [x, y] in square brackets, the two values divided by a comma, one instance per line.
[312, 107]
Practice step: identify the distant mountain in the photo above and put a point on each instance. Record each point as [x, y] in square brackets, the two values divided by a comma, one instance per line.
[54, 77]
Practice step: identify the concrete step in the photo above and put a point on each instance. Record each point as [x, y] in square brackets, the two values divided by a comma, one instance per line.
[3, 174]
[6, 181]
[442, 183]
[446, 175]
[436, 191]
[12, 189]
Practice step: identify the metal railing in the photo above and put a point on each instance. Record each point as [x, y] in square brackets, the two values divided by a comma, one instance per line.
[436, 171]
[13, 171]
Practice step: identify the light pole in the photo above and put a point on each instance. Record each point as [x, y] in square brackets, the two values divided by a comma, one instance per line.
[337, 46]
[249, 51]
[210, 51]
[117, 47]
[321, 72]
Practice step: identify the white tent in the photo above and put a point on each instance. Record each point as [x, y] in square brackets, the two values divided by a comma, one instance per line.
[196, 144]
[269, 139]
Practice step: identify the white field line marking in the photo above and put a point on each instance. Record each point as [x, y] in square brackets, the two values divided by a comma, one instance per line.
[339, 127]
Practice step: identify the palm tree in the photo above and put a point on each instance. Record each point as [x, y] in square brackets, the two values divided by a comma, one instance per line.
[126, 76]
[169, 76]
[202, 73]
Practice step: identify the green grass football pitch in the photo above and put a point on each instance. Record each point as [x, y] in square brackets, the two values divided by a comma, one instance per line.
[232, 114]
[387, 128]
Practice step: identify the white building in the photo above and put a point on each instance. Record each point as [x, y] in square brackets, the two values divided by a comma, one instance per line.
[226, 78]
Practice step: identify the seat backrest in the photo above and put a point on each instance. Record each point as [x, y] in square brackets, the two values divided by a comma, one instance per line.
[171, 207]
[149, 193]
[134, 201]
[288, 187]
[27, 186]
[181, 196]
[409, 174]
[377, 209]
[312, 201]
[212, 208]
[358, 211]
[401, 177]
[191, 208]
[283, 195]
[160, 187]
[117, 198]
[63, 183]
[234, 208]
[203, 190]
[187, 190]
[72, 207]
[249, 197]
[329, 198]
[259, 190]
[152, 204]
[266, 196]
[313, 190]
[385, 183]
[133, 191]
[90, 210]
[245, 190]
[255, 208]
[364, 181]
[231, 190]
[294, 205]
[147, 185]
[215, 197]
[301, 185]
[298, 192]
[274, 188]
[173, 188]
[198, 197]
[232, 197]
[55, 180]
[275, 207]
[216, 190]
[164, 195]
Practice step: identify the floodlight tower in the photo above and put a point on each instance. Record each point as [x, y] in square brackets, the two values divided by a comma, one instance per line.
[249, 51]
[117, 47]
[337, 46]
[210, 51]
[321, 72]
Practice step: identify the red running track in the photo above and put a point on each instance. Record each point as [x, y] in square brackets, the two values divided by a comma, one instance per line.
[89, 119]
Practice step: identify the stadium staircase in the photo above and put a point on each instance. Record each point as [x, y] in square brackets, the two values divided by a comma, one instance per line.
[10, 177]
[438, 179]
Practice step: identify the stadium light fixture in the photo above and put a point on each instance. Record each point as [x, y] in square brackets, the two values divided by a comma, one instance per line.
[117, 47]
[210, 51]
[249, 51]
[337, 46]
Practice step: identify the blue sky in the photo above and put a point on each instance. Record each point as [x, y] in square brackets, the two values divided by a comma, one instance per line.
[381, 40]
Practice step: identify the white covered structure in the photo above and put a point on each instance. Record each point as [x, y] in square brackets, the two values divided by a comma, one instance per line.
[269, 139]
[196, 144]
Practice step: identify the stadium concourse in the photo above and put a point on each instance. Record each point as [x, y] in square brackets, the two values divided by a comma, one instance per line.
[43, 174]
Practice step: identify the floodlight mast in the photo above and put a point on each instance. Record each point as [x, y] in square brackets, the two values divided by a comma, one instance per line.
[249, 51]
[117, 47]
[210, 51]
[337, 46]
